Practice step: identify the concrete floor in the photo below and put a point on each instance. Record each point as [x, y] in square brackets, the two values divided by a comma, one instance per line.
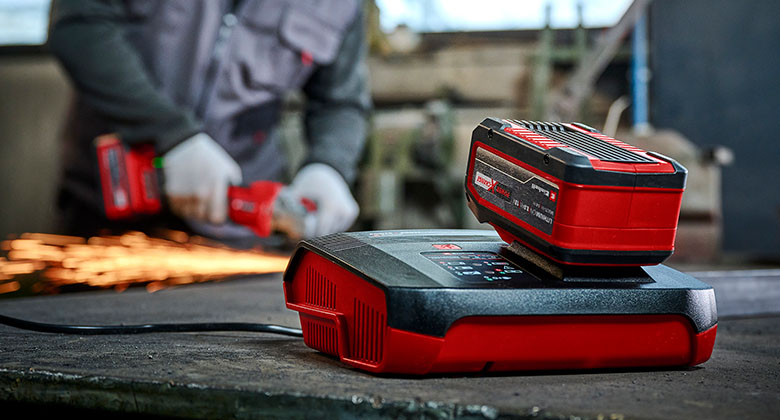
[247, 375]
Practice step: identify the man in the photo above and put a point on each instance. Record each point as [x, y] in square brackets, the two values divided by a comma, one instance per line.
[204, 82]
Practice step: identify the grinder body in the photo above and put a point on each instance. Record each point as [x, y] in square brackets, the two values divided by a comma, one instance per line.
[131, 187]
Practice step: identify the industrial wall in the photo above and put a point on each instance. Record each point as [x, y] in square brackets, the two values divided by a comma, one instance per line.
[715, 67]
[34, 93]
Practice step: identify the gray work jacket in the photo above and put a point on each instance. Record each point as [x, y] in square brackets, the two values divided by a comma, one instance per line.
[162, 70]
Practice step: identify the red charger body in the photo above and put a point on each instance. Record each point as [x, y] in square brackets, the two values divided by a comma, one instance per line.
[573, 194]
[393, 302]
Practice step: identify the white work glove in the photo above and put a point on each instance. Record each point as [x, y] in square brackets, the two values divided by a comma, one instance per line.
[197, 175]
[336, 208]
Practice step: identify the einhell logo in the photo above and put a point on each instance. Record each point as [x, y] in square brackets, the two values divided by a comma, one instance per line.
[484, 181]
[544, 191]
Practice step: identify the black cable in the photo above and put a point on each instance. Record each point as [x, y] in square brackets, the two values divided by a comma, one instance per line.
[148, 328]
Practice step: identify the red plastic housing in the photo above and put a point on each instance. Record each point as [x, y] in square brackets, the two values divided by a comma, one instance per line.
[608, 218]
[128, 178]
[346, 316]
[253, 206]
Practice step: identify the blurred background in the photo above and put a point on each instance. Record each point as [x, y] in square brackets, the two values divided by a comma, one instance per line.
[694, 80]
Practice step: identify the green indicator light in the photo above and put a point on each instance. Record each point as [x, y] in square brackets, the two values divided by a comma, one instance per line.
[157, 162]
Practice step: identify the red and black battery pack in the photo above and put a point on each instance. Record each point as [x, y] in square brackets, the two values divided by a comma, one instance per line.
[572, 194]
[436, 301]
[128, 178]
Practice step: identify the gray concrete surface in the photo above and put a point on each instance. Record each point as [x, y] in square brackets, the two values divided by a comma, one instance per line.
[246, 375]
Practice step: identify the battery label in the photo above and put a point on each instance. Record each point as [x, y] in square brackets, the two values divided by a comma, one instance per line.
[515, 190]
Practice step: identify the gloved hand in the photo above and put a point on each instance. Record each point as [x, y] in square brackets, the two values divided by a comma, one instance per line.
[336, 208]
[197, 175]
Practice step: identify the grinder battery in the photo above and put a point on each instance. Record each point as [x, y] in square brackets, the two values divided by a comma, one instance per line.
[572, 194]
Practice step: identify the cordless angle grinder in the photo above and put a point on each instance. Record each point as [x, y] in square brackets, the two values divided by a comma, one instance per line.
[571, 279]
[131, 182]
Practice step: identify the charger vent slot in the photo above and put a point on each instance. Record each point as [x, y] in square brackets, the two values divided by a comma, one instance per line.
[319, 290]
[320, 336]
[368, 336]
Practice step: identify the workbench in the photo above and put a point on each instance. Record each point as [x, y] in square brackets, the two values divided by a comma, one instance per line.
[254, 375]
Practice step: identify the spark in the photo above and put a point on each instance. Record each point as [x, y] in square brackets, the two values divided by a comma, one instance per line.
[119, 261]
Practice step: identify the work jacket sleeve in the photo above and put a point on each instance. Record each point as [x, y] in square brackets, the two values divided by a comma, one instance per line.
[338, 104]
[110, 77]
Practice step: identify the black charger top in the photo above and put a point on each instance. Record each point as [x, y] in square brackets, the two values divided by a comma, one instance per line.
[432, 278]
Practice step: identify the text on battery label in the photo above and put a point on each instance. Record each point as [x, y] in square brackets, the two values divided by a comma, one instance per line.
[501, 191]
[515, 190]
[544, 217]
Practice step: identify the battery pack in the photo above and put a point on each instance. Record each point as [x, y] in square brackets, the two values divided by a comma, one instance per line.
[572, 194]
[128, 178]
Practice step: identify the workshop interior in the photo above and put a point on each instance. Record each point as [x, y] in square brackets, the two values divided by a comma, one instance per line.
[536, 189]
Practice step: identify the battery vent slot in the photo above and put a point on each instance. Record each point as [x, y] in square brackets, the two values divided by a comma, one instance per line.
[319, 290]
[320, 336]
[593, 146]
[368, 337]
